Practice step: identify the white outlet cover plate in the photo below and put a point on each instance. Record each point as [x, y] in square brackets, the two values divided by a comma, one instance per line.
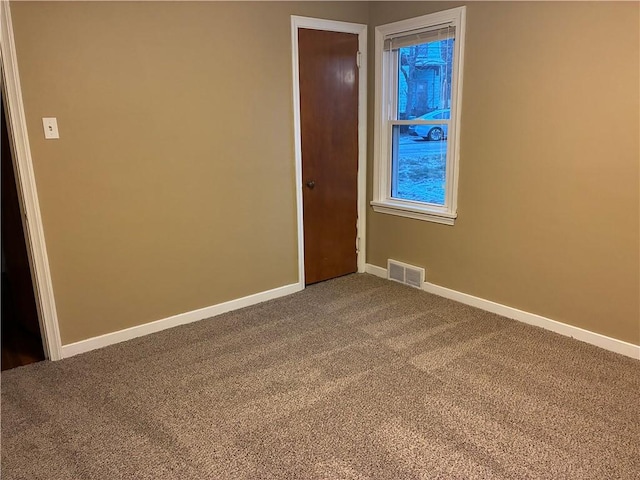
[50, 125]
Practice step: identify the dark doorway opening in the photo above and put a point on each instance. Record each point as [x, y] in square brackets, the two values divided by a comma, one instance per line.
[21, 337]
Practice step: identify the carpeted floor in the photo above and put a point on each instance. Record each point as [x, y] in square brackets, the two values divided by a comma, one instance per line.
[355, 378]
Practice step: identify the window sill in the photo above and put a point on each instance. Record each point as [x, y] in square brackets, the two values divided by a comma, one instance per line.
[416, 212]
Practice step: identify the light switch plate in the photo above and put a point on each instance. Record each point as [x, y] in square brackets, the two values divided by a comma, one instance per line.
[50, 125]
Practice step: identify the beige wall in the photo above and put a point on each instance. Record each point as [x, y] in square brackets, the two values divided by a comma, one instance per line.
[548, 212]
[172, 185]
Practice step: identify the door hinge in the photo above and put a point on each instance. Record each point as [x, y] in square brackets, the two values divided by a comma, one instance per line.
[358, 59]
[358, 244]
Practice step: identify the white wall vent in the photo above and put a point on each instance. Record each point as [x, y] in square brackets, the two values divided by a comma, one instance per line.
[405, 273]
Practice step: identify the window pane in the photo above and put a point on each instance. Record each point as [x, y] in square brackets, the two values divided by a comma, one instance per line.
[419, 163]
[424, 79]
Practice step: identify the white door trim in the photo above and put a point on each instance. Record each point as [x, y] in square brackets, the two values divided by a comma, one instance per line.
[360, 30]
[23, 164]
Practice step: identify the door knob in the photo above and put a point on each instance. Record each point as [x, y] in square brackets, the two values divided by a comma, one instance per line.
[311, 184]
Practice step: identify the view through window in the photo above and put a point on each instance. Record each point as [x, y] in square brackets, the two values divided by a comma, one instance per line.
[423, 93]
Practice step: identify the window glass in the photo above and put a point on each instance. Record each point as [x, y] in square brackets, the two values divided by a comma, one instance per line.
[424, 78]
[419, 169]
[419, 152]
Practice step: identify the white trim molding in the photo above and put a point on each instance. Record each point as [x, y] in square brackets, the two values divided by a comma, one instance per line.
[175, 320]
[23, 163]
[298, 22]
[602, 341]
[376, 270]
[416, 212]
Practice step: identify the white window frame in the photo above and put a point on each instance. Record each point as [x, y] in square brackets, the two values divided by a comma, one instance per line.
[384, 103]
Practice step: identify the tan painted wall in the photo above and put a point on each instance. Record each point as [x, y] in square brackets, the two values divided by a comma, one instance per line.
[172, 185]
[549, 167]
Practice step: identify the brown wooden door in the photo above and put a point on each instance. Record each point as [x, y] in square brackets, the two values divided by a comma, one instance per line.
[329, 140]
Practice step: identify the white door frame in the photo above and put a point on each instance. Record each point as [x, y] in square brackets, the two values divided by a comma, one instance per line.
[27, 193]
[343, 27]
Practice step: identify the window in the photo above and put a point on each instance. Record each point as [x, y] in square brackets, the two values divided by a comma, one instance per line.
[418, 92]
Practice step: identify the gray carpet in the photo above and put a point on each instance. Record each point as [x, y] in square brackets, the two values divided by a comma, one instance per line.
[355, 378]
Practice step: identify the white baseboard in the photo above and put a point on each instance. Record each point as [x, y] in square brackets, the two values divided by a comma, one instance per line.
[602, 341]
[180, 319]
[375, 270]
